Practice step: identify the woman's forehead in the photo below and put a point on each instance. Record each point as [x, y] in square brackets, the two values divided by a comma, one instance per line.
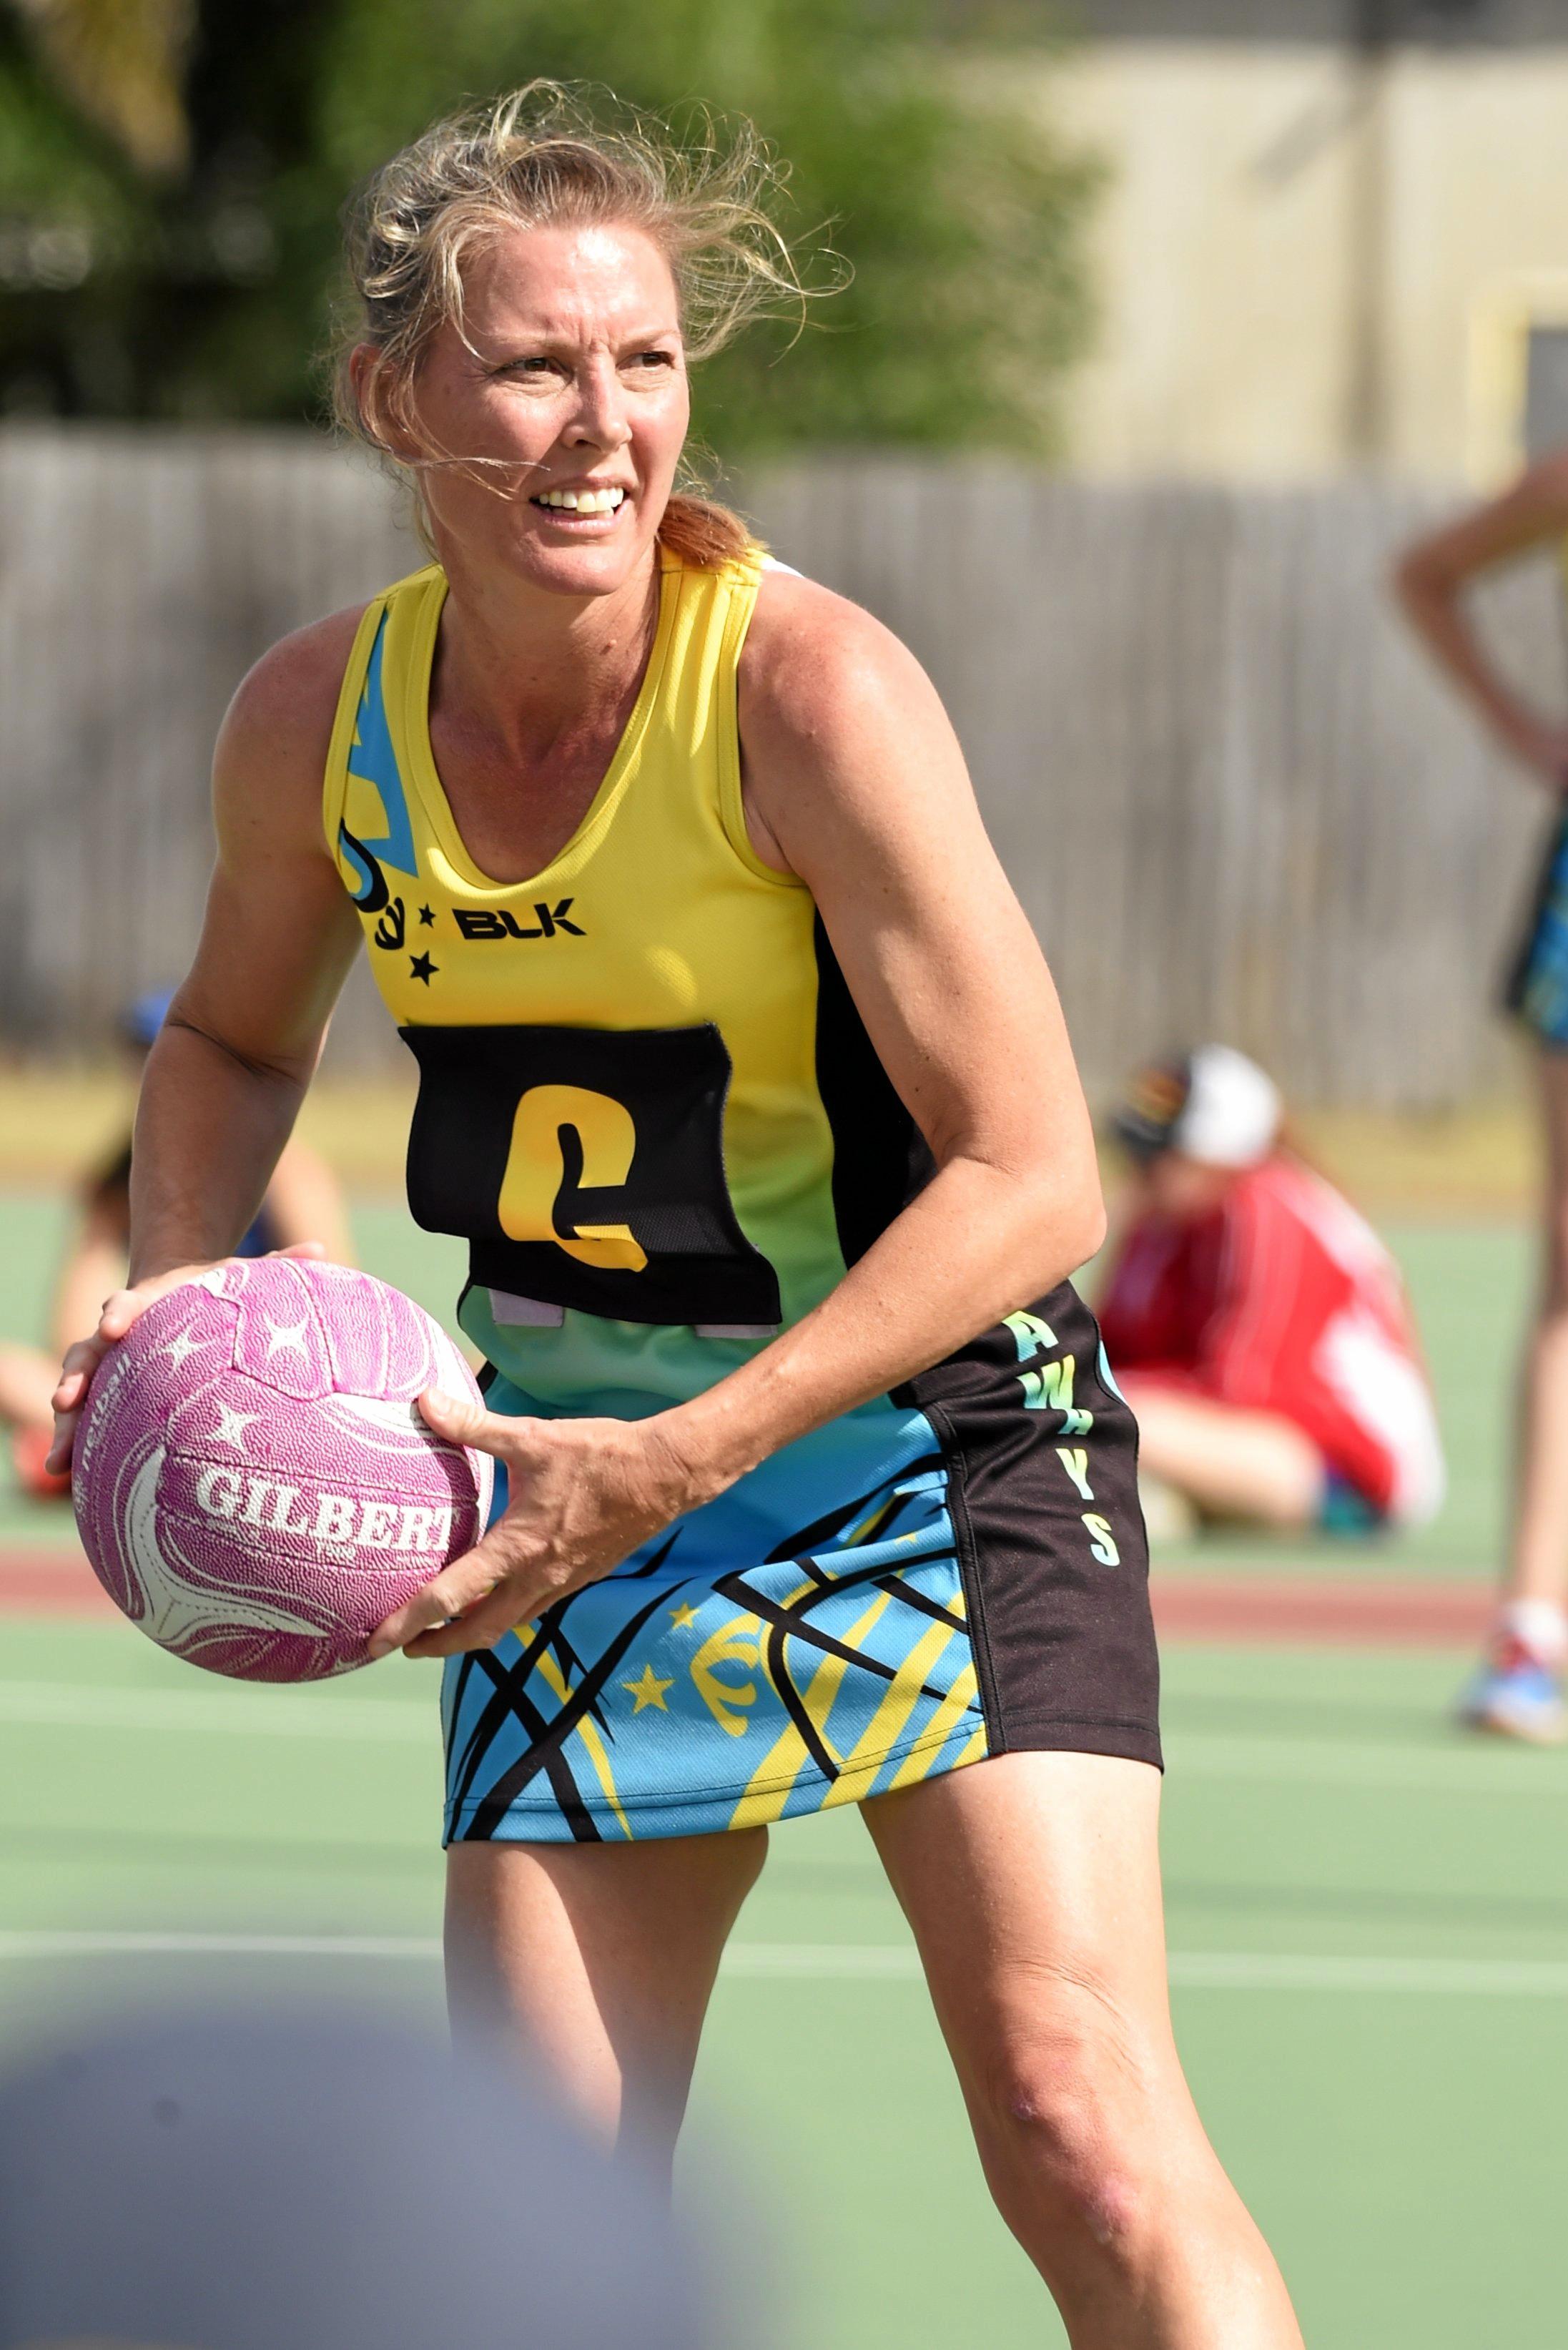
[568, 279]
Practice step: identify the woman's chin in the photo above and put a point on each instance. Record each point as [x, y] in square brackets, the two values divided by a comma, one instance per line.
[594, 565]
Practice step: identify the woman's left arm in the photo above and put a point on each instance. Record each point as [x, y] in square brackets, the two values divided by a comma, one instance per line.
[855, 782]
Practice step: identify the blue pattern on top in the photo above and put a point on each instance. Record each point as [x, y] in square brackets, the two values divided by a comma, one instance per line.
[374, 760]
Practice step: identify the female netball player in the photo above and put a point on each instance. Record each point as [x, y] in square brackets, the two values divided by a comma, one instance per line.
[1519, 1689]
[742, 1074]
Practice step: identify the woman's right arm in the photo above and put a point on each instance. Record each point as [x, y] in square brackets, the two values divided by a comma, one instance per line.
[1430, 580]
[226, 1076]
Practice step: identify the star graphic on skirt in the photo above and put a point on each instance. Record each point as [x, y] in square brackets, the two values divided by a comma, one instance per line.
[649, 1691]
[683, 1617]
[421, 967]
[427, 918]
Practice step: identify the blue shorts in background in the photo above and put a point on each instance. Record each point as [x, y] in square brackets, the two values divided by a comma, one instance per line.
[1538, 984]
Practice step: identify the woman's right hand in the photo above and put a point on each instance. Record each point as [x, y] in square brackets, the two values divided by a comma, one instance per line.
[126, 1306]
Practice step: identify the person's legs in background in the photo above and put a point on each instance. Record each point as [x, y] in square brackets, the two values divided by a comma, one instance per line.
[1519, 1690]
[27, 1378]
[1254, 1467]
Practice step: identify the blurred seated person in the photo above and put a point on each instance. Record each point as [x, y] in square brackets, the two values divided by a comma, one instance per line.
[1257, 1325]
[302, 1202]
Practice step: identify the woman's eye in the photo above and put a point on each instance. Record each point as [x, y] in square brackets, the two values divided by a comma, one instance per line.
[653, 358]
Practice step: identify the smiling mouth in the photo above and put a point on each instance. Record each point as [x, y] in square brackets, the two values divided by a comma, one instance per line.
[585, 505]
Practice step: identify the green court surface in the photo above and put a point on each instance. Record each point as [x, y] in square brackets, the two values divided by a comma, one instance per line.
[1368, 1918]
[1368, 1922]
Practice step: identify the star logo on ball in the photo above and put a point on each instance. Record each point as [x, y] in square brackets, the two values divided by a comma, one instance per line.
[182, 1348]
[289, 1335]
[232, 1426]
[422, 968]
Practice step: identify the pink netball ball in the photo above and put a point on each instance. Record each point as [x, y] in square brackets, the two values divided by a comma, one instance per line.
[253, 1483]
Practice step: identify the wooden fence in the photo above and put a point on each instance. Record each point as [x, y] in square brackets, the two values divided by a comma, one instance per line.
[1232, 797]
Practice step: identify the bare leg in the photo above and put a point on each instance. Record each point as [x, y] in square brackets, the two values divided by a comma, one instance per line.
[1229, 1463]
[598, 1960]
[1538, 1563]
[1032, 1884]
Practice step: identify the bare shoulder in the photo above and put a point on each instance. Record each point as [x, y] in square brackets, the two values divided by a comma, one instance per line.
[819, 668]
[282, 714]
[845, 748]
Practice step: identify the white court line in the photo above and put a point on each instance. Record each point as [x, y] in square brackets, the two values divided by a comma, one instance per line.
[89, 1945]
[1288, 1970]
[871, 1962]
[1209, 1755]
[231, 1712]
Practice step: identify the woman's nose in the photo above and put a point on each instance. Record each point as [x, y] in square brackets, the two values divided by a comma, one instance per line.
[600, 418]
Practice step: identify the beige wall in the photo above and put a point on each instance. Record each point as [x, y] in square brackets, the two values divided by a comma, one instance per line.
[1290, 278]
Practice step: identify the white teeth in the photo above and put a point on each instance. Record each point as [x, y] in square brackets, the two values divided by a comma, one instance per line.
[590, 501]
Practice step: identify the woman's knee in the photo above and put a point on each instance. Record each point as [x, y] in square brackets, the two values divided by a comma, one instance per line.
[1069, 2115]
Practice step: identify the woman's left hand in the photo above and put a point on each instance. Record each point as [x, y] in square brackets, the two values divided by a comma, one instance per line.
[584, 1493]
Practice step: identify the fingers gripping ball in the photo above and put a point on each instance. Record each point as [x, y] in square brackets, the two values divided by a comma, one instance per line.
[253, 1483]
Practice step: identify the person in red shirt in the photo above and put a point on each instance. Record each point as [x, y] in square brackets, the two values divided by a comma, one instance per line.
[1257, 1325]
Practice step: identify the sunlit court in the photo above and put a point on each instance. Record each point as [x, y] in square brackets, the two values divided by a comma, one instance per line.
[1368, 1914]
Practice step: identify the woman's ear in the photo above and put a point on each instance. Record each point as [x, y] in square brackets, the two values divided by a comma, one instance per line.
[368, 381]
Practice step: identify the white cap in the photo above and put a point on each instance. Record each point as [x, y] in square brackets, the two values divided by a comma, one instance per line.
[1232, 1113]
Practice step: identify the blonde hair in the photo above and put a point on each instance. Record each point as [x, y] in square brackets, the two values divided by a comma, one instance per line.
[539, 158]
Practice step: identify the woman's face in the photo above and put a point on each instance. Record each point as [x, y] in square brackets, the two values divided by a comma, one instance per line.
[575, 381]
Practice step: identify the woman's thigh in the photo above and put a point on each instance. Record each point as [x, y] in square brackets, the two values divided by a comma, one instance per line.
[1027, 1870]
[1032, 1884]
[599, 1961]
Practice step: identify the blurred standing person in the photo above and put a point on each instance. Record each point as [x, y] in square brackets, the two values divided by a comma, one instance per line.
[1518, 1688]
[1258, 1324]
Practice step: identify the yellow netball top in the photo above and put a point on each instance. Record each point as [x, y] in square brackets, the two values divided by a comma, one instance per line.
[646, 1098]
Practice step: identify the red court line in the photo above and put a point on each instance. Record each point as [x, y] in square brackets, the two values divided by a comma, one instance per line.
[56, 1580]
[50, 1579]
[1337, 1611]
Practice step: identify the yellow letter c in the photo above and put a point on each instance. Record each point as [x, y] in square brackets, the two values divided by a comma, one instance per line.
[537, 1171]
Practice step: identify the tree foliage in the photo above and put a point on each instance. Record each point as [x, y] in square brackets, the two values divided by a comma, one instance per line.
[948, 205]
